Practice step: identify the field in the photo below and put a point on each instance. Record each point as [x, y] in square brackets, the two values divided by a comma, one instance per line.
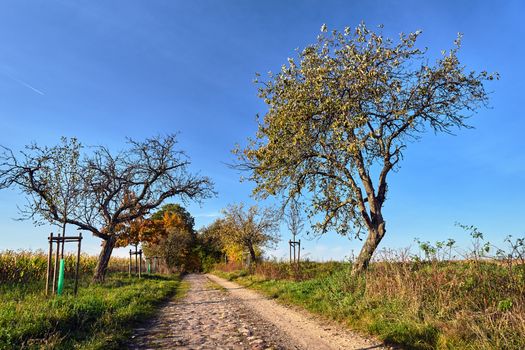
[473, 304]
[100, 317]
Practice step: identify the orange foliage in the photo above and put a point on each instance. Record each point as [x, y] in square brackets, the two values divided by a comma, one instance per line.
[152, 231]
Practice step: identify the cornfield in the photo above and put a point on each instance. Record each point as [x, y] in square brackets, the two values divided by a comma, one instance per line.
[23, 266]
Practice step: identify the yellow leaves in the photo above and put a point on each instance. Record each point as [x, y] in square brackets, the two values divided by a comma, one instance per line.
[143, 230]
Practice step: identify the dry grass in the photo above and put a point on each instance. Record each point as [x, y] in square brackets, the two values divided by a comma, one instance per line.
[422, 303]
[25, 266]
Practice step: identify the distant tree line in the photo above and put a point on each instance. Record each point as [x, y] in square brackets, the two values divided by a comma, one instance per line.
[170, 233]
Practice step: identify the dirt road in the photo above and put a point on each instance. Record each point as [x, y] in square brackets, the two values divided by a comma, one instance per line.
[218, 314]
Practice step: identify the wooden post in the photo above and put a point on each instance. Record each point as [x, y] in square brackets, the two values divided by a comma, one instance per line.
[56, 264]
[78, 263]
[136, 260]
[129, 265]
[140, 262]
[49, 260]
[299, 253]
[290, 244]
[63, 241]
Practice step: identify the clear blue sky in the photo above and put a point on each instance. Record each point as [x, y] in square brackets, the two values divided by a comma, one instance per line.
[105, 70]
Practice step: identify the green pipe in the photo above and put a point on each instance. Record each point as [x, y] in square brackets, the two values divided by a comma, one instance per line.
[149, 267]
[61, 277]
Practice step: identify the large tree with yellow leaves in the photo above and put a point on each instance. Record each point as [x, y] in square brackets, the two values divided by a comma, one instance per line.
[340, 116]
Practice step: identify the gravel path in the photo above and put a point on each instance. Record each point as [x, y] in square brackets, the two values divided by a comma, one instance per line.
[232, 317]
[209, 318]
[304, 330]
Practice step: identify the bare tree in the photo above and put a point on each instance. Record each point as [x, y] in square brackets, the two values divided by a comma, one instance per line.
[117, 188]
[294, 219]
[51, 177]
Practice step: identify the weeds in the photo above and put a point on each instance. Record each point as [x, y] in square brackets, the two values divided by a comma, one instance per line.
[100, 317]
[442, 298]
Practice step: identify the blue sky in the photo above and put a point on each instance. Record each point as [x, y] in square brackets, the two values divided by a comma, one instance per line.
[105, 70]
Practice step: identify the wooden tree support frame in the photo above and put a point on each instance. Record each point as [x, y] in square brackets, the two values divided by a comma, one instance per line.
[153, 261]
[138, 261]
[295, 257]
[60, 243]
[295, 251]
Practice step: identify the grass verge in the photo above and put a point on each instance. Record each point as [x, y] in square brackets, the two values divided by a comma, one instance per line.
[441, 306]
[100, 317]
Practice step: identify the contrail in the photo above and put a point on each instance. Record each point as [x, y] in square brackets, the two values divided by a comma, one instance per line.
[20, 81]
[4, 70]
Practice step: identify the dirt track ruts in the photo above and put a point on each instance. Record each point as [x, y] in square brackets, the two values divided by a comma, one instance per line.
[232, 317]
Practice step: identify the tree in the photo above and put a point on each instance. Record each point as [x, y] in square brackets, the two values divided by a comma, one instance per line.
[176, 227]
[339, 119]
[217, 244]
[155, 229]
[210, 247]
[140, 230]
[253, 228]
[179, 212]
[51, 177]
[211, 237]
[116, 188]
[293, 218]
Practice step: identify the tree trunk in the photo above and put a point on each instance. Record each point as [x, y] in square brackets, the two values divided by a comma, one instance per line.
[103, 259]
[375, 235]
[252, 253]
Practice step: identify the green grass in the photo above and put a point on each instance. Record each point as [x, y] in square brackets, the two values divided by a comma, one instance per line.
[418, 306]
[100, 317]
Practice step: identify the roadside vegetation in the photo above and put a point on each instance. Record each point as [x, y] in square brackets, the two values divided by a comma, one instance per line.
[428, 301]
[101, 316]
[30, 266]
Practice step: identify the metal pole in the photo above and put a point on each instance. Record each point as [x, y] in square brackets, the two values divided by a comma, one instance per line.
[78, 262]
[290, 244]
[299, 253]
[49, 260]
[56, 264]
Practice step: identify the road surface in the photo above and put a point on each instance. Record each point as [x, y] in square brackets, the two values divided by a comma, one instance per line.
[218, 314]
